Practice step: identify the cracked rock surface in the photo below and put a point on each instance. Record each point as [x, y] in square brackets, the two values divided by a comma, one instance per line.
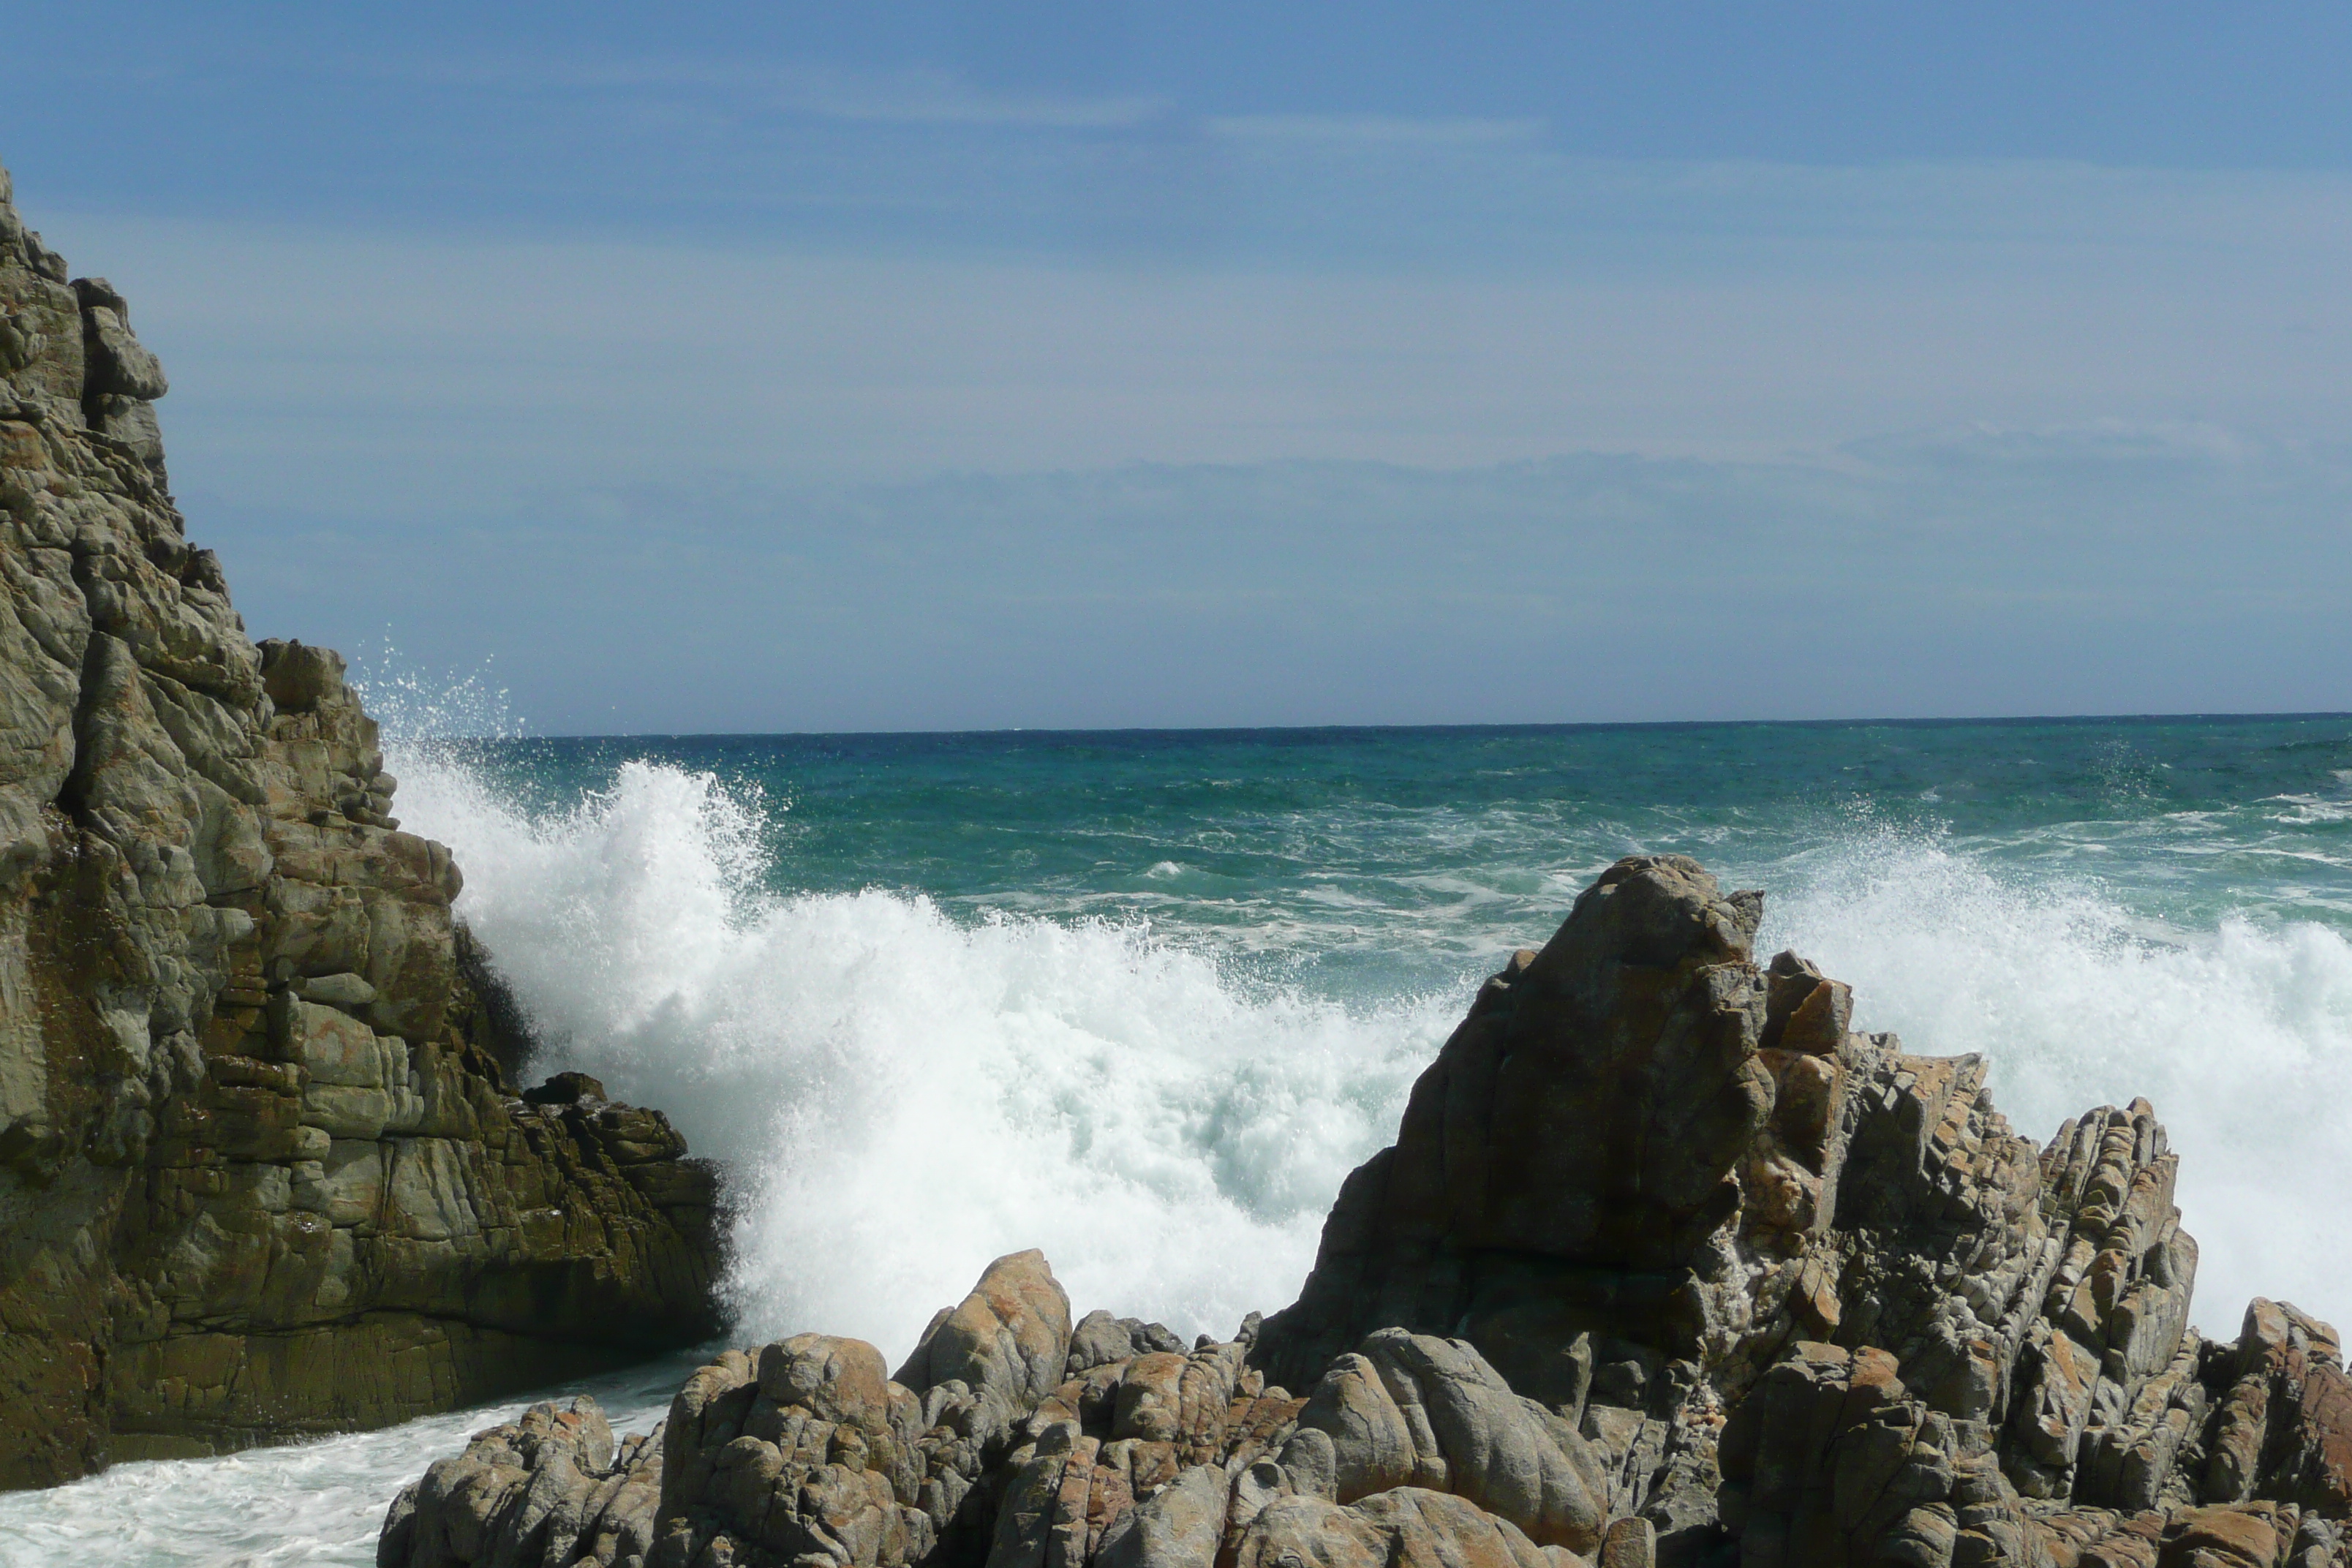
[1668, 1265]
[262, 1169]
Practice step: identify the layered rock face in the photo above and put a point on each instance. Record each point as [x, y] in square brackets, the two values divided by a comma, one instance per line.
[1668, 1265]
[262, 1172]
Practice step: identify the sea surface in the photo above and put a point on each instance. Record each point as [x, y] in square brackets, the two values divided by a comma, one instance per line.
[1143, 998]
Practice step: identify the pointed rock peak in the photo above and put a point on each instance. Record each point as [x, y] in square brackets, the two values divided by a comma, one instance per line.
[1651, 912]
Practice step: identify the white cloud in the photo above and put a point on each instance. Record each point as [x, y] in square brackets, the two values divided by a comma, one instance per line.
[1384, 486]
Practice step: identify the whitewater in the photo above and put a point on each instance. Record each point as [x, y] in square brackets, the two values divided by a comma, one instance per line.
[1143, 1001]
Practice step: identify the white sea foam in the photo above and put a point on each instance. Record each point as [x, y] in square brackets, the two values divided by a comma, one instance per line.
[901, 1093]
[2240, 1036]
[304, 1505]
[899, 1096]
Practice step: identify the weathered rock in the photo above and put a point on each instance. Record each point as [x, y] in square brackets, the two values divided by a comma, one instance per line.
[1008, 1343]
[550, 1489]
[1406, 1528]
[1573, 1149]
[1657, 1187]
[261, 1169]
[1412, 1410]
[1794, 1299]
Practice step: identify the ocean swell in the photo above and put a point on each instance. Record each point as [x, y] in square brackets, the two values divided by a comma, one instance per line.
[899, 1096]
[901, 1091]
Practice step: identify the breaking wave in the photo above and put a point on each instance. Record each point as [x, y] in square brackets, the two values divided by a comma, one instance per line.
[2240, 1034]
[901, 1092]
[903, 1088]
[900, 1095]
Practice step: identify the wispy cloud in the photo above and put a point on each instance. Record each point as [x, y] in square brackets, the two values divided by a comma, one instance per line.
[1942, 572]
[1383, 129]
[908, 95]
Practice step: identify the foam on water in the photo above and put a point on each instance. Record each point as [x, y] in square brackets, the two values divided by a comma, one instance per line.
[903, 1086]
[301, 1506]
[899, 1096]
[2241, 1037]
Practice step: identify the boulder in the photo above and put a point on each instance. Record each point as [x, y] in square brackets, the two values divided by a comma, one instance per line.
[1670, 1266]
[1583, 1129]
[551, 1489]
[1412, 1410]
[1008, 1343]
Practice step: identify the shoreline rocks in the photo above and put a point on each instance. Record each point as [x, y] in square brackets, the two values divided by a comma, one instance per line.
[1668, 1265]
[263, 1169]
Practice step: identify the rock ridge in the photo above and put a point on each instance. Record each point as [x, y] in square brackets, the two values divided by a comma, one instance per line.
[263, 1170]
[1668, 1265]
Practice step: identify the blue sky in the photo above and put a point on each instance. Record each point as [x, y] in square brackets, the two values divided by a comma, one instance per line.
[791, 367]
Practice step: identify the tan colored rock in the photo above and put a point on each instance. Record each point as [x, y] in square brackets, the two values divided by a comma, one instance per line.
[1407, 1527]
[1950, 1348]
[551, 1489]
[1414, 1410]
[1007, 1341]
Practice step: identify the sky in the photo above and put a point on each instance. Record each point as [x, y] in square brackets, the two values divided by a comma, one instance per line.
[940, 366]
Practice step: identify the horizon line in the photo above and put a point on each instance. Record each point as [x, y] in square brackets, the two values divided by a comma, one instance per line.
[1488, 727]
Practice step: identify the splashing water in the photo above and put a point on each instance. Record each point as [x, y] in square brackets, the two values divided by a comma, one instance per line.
[905, 1095]
[905, 1083]
[1144, 1000]
[298, 1505]
[2240, 1035]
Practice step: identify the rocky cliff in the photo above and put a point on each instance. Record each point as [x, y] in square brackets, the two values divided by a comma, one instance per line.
[262, 1170]
[1668, 1265]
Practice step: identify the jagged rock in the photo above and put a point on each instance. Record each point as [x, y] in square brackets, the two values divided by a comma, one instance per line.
[1848, 1318]
[1008, 1343]
[551, 1489]
[808, 1450]
[1571, 1151]
[1406, 1528]
[1919, 1337]
[1100, 1339]
[262, 1172]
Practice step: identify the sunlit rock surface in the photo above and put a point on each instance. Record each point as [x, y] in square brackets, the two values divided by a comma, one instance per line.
[1667, 1265]
[262, 1170]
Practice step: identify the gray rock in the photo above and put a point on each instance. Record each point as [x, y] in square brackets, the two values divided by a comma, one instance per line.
[1008, 1341]
[118, 365]
[1178, 1526]
[550, 1489]
[1414, 1410]
[345, 989]
[232, 1213]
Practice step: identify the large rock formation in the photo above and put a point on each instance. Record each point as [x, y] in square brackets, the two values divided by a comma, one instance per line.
[261, 1170]
[1667, 1265]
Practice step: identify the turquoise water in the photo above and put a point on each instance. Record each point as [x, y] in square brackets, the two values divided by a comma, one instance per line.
[1373, 859]
[1143, 999]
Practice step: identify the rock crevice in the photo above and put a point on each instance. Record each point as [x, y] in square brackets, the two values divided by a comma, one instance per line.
[1668, 1265]
[262, 1168]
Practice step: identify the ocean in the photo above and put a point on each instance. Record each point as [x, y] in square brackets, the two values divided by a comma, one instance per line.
[1143, 998]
